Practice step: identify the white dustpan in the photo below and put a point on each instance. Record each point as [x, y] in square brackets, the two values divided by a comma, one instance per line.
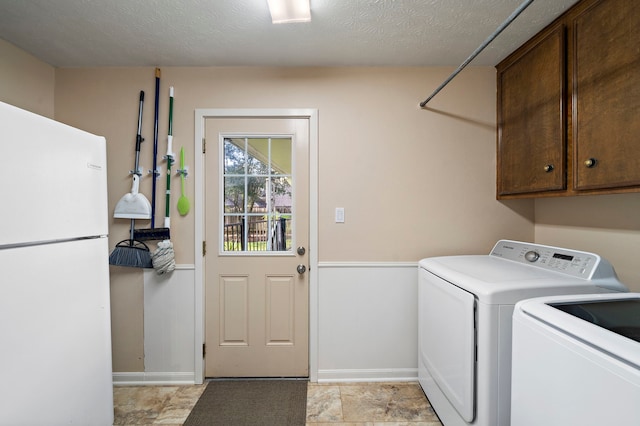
[133, 205]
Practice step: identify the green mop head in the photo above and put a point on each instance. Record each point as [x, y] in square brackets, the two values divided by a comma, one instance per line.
[131, 253]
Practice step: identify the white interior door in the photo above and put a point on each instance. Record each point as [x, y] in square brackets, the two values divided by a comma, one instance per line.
[256, 222]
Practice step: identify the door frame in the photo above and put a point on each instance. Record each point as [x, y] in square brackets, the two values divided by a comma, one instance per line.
[201, 115]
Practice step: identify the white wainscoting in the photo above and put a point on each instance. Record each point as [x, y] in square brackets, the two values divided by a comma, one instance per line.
[156, 379]
[368, 322]
[169, 322]
[169, 329]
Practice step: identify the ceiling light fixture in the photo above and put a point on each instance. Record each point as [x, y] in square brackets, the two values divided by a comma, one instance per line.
[287, 11]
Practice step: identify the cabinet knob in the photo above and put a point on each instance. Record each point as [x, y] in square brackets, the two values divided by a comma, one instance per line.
[548, 168]
[591, 162]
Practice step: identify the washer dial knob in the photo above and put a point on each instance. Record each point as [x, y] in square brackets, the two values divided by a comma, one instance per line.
[532, 256]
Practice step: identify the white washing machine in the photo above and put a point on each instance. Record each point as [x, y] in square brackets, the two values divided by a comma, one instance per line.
[465, 314]
[576, 361]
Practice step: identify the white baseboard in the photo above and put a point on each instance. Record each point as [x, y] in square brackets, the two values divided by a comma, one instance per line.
[140, 378]
[373, 375]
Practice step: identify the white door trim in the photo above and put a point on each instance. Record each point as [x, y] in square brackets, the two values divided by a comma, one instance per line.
[199, 315]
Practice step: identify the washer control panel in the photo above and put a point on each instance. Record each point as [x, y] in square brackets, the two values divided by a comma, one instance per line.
[571, 262]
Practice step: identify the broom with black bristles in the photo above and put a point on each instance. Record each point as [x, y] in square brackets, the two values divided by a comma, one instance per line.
[131, 252]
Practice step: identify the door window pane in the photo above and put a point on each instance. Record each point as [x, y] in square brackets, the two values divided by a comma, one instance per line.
[234, 193]
[234, 156]
[258, 194]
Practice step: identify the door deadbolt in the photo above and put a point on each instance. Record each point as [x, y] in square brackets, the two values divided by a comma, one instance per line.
[301, 269]
[301, 251]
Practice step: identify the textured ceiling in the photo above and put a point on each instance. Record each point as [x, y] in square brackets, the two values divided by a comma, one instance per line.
[87, 33]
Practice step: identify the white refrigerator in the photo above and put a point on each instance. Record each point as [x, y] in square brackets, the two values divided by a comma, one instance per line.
[55, 327]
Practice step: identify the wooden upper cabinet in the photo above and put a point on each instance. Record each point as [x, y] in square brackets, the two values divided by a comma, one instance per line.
[606, 95]
[569, 105]
[531, 119]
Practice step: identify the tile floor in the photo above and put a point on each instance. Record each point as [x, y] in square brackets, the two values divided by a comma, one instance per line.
[337, 404]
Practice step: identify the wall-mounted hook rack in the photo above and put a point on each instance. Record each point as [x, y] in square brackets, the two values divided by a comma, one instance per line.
[183, 172]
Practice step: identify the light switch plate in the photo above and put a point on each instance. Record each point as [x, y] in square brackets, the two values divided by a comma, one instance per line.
[339, 214]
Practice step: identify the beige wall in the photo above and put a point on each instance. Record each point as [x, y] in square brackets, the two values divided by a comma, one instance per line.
[413, 182]
[605, 224]
[25, 81]
[127, 319]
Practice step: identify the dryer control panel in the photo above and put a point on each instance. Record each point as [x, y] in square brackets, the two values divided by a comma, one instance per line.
[567, 261]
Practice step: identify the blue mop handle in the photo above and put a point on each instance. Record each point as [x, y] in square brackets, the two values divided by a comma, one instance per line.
[155, 151]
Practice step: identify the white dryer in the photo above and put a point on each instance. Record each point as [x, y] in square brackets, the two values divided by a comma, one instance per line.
[576, 361]
[465, 314]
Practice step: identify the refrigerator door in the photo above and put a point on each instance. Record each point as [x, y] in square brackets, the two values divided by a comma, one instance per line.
[54, 180]
[55, 361]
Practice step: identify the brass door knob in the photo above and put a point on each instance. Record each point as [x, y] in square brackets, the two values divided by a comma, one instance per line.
[548, 168]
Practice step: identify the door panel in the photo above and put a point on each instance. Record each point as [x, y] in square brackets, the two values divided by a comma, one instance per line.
[234, 311]
[531, 119]
[256, 303]
[280, 315]
[606, 90]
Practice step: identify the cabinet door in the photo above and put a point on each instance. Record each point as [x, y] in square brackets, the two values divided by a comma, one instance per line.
[531, 118]
[606, 93]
